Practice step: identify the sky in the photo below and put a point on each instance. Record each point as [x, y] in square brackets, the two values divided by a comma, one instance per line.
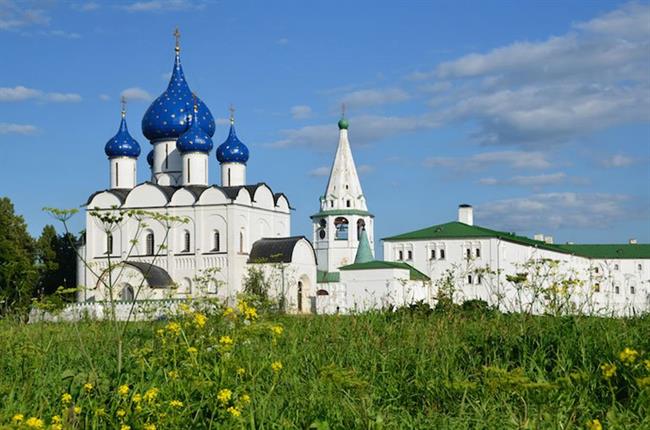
[536, 113]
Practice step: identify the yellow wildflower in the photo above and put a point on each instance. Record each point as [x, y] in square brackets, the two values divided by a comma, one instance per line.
[191, 350]
[174, 328]
[34, 423]
[608, 370]
[643, 382]
[88, 387]
[224, 395]
[123, 390]
[628, 355]
[160, 332]
[125, 427]
[66, 398]
[184, 307]
[277, 329]
[100, 412]
[594, 425]
[241, 371]
[56, 419]
[18, 418]
[276, 366]
[57, 426]
[200, 320]
[137, 398]
[245, 398]
[77, 410]
[229, 312]
[250, 313]
[176, 404]
[151, 394]
[120, 413]
[138, 409]
[233, 411]
[173, 374]
[225, 340]
[149, 426]
[647, 364]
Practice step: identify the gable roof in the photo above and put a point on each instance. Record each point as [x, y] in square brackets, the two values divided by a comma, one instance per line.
[459, 230]
[414, 274]
[156, 276]
[274, 249]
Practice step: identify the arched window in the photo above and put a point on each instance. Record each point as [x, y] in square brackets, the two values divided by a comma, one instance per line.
[150, 244]
[322, 293]
[299, 296]
[348, 203]
[109, 243]
[322, 231]
[216, 241]
[361, 225]
[242, 246]
[341, 225]
[127, 294]
[186, 241]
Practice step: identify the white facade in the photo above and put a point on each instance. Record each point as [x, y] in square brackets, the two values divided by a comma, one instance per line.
[167, 166]
[233, 174]
[123, 172]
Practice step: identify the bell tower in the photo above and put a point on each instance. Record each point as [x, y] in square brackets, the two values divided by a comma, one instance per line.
[343, 214]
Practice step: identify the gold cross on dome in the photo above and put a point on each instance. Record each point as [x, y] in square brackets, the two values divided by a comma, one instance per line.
[177, 36]
[232, 114]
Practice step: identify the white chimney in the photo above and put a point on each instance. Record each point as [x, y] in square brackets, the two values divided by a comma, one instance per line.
[539, 236]
[633, 242]
[466, 214]
[548, 239]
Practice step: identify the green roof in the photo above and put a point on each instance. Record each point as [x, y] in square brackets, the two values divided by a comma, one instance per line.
[459, 230]
[614, 251]
[364, 253]
[324, 277]
[414, 274]
[342, 212]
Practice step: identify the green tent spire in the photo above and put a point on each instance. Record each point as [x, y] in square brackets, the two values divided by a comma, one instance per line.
[364, 253]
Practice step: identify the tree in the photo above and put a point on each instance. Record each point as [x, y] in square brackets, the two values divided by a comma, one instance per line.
[57, 262]
[18, 275]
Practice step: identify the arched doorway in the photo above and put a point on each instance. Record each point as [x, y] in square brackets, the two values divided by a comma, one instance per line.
[299, 296]
[127, 294]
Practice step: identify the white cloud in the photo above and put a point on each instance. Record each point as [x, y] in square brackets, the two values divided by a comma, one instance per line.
[320, 171]
[21, 93]
[164, 5]
[528, 181]
[364, 168]
[509, 159]
[14, 15]
[374, 97]
[535, 93]
[89, 6]
[618, 160]
[104, 97]
[9, 128]
[136, 93]
[363, 130]
[301, 112]
[63, 34]
[556, 210]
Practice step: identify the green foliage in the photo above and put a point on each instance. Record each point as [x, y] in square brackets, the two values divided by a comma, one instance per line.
[389, 370]
[56, 262]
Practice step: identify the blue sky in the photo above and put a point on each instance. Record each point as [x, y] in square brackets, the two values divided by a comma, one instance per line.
[537, 113]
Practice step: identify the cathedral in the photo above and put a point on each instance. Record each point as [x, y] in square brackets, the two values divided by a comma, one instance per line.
[208, 237]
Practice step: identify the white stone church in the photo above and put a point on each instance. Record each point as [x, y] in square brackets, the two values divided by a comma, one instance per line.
[231, 227]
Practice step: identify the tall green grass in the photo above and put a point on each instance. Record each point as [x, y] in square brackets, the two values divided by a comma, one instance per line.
[465, 370]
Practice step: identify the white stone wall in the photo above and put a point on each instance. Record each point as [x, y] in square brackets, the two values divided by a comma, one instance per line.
[123, 172]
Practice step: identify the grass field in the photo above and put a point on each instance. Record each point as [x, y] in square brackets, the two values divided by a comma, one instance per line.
[372, 371]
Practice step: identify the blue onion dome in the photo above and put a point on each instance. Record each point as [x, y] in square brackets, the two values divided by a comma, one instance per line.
[195, 139]
[150, 158]
[167, 117]
[122, 144]
[232, 150]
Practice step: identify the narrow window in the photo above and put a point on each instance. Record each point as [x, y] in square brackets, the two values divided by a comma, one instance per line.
[469, 279]
[433, 254]
[347, 203]
[615, 266]
[410, 255]
[331, 204]
[117, 174]
[188, 170]
[228, 176]
[479, 279]
[299, 296]
[241, 242]
[640, 267]
[401, 255]
[166, 155]
[478, 252]
[597, 288]
[150, 244]
[187, 242]
[596, 270]
[469, 253]
[442, 254]
[109, 244]
[617, 290]
[632, 289]
[216, 246]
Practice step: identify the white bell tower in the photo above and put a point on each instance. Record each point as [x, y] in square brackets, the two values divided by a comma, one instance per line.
[343, 212]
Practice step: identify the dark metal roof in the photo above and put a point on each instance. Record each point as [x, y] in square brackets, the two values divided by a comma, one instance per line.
[156, 277]
[196, 190]
[274, 249]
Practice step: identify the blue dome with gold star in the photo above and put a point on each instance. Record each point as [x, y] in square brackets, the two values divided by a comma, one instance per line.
[167, 117]
[122, 144]
[195, 139]
[232, 150]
